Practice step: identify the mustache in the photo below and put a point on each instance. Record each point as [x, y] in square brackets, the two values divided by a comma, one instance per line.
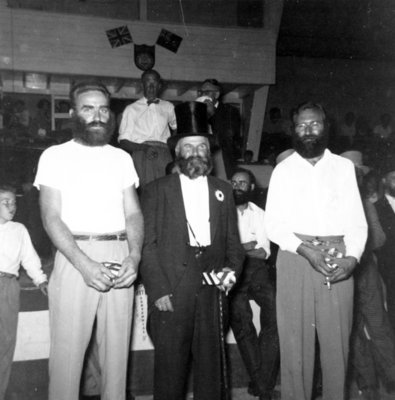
[96, 124]
[308, 138]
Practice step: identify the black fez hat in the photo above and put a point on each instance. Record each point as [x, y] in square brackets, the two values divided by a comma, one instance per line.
[387, 166]
[192, 120]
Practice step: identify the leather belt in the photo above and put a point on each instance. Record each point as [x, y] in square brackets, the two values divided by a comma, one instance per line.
[117, 236]
[7, 275]
[321, 240]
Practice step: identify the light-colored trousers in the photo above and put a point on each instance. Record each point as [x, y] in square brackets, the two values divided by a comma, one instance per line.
[304, 306]
[73, 308]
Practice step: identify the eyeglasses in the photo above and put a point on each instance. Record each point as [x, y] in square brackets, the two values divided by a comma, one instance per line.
[240, 184]
[8, 203]
[314, 125]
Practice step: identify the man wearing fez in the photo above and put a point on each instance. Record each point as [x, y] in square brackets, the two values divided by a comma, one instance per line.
[91, 212]
[191, 229]
[386, 254]
[314, 213]
[145, 128]
[225, 124]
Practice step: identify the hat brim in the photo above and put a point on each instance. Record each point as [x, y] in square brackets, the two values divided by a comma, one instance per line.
[173, 140]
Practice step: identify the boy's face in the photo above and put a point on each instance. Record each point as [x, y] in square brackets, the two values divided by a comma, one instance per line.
[7, 206]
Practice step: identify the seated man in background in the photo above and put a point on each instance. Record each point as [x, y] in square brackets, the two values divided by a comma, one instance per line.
[144, 130]
[260, 353]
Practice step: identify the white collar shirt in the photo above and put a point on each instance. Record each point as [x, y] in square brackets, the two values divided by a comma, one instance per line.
[319, 200]
[391, 201]
[251, 224]
[142, 122]
[16, 248]
[197, 210]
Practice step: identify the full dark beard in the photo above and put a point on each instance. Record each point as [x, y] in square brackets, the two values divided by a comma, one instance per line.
[90, 134]
[195, 166]
[241, 197]
[310, 146]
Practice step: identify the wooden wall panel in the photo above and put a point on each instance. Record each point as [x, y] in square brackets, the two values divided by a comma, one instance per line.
[71, 44]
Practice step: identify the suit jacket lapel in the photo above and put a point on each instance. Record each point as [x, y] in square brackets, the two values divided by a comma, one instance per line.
[214, 208]
[174, 197]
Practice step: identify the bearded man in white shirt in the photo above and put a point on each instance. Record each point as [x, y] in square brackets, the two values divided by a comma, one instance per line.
[145, 128]
[260, 353]
[190, 229]
[91, 212]
[314, 213]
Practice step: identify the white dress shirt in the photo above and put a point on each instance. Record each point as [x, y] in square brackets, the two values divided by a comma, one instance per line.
[317, 200]
[142, 122]
[251, 224]
[197, 209]
[16, 248]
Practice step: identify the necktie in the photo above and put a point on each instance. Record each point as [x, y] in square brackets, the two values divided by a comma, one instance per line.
[154, 101]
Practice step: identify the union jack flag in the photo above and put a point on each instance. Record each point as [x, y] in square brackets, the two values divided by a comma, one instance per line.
[119, 36]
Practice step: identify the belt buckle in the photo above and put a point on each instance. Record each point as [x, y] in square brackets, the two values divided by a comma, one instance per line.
[316, 242]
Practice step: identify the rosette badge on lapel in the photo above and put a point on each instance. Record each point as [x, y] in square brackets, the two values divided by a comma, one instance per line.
[219, 195]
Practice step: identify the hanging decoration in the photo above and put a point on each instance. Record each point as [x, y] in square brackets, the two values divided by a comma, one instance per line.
[144, 56]
[119, 36]
[169, 40]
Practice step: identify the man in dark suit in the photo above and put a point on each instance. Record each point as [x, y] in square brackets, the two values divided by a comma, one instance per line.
[386, 254]
[190, 228]
[225, 124]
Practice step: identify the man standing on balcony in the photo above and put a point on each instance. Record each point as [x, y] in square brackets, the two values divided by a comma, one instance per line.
[145, 128]
[224, 121]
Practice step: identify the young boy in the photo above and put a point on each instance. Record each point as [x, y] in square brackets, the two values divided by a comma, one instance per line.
[15, 249]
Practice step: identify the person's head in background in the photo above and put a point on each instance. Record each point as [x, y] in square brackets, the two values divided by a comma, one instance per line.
[371, 188]
[152, 84]
[248, 156]
[212, 89]
[7, 203]
[243, 184]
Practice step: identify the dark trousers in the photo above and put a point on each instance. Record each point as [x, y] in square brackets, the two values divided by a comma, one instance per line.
[9, 308]
[260, 353]
[190, 332]
[374, 356]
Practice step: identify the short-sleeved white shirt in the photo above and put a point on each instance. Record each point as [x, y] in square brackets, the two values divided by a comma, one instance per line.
[91, 181]
[142, 122]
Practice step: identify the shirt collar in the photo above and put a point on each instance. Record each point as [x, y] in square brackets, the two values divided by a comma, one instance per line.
[390, 199]
[193, 182]
[323, 160]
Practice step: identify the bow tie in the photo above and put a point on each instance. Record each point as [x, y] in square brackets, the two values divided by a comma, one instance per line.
[154, 101]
